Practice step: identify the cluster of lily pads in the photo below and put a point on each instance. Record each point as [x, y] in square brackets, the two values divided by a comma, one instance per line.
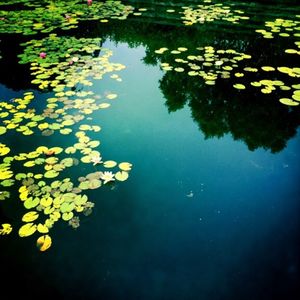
[48, 200]
[64, 198]
[267, 86]
[211, 12]
[211, 64]
[60, 112]
[59, 15]
[67, 62]
[282, 27]
[208, 63]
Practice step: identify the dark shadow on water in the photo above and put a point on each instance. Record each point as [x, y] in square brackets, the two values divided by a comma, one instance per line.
[258, 120]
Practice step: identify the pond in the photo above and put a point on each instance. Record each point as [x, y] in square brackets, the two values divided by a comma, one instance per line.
[150, 149]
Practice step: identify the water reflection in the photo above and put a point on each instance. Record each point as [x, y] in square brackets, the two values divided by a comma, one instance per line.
[258, 120]
[188, 253]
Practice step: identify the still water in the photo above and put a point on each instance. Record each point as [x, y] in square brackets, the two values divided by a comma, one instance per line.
[210, 210]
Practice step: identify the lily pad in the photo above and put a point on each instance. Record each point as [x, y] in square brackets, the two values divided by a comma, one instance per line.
[121, 175]
[27, 229]
[44, 242]
[30, 216]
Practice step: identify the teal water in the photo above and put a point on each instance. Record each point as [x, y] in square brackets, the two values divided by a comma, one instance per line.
[211, 207]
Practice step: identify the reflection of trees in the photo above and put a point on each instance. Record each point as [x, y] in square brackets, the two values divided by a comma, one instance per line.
[259, 120]
[13, 75]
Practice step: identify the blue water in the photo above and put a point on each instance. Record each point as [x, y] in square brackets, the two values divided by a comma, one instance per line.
[198, 218]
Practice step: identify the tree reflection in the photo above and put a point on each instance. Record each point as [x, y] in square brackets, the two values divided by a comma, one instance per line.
[261, 121]
[247, 116]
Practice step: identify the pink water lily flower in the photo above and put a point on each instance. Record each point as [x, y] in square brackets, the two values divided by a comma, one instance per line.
[89, 2]
[43, 55]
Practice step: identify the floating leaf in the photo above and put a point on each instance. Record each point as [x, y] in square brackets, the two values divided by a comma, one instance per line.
[4, 149]
[30, 216]
[93, 144]
[121, 175]
[44, 242]
[288, 101]
[29, 164]
[109, 164]
[46, 201]
[42, 228]
[268, 68]
[5, 174]
[84, 185]
[31, 203]
[104, 105]
[67, 207]
[125, 166]
[51, 174]
[67, 216]
[296, 97]
[4, 195]
[6, 229]
[80, 199]
[239, 86]
[2, 130]
[7, 182]
[56, 150]
[111, 96]
[27, 230]
[65, 131]
[70, 150]
[68, 162]
[94, 184]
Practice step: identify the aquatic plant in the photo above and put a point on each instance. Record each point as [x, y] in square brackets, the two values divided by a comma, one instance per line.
[54, 15]
[280, 27]
[206, 62]
[6, 229]
[212, 64]
[69, 62]
[208, 12]
[50, 200]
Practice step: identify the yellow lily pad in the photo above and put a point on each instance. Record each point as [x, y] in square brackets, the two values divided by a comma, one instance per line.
[109, 164]
[288, 101]
[27, 230]
[121, 175]
[51, 174]
[30, 216]
[267, 68]
[239, 86]
[125, 166]
[2, 130]
[6, 229]
[67, 216]
[4, 149]
[42, 228]
[111, 96]
[44, 242]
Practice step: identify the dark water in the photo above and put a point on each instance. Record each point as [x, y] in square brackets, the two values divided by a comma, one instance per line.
[211, 208]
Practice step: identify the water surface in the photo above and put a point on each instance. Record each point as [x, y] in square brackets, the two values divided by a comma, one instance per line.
[211, 206]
